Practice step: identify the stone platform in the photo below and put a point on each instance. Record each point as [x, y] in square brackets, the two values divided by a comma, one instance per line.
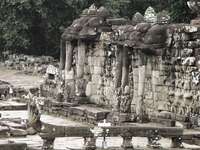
[87, 113]
[11, 105]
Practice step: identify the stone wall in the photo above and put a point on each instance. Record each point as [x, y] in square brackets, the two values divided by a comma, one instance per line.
[137, 66]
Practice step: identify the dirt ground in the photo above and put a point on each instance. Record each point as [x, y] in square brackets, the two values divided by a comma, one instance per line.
[18, 79]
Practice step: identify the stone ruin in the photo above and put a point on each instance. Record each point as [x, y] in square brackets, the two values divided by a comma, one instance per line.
[33, 65]
[133, 67]
[122, 71]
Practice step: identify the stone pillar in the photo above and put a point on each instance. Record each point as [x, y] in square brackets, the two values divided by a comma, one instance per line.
[125, 67]
[141, 86]
[81, 58]
[48, 143]
[69, 56]
[62, 54]
[118, 72]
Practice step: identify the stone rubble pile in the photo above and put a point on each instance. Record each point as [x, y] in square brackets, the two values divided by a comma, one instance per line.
[35, 65]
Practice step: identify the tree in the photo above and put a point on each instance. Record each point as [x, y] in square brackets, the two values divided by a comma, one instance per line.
[35, 26]
[180, 12]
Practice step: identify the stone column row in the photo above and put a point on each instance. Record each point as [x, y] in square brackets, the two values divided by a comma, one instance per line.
[80, 60]
[74, 81]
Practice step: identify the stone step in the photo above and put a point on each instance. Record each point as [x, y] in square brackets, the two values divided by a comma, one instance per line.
[11, 105]
[89, 112]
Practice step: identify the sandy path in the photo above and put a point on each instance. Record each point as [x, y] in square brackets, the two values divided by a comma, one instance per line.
[18, 79]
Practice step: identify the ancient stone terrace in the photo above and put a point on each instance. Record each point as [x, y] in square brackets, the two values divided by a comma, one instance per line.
[137, 66]
[141, 70]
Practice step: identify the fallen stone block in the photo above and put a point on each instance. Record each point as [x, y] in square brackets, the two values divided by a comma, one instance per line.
[17, 132]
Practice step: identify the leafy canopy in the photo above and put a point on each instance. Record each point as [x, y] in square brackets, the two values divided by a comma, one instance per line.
[35, 26]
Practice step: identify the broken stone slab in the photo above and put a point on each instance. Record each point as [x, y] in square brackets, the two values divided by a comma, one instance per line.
[13, 146]
[17, 132]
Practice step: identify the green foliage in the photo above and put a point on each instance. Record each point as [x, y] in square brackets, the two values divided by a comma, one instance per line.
[180, 11]
[35, 26]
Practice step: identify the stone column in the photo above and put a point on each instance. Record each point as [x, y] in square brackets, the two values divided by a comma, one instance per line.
[118, 72]
[141, 85]
[69, 56]
[125, 67]
[62, 54]
[81, 58]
